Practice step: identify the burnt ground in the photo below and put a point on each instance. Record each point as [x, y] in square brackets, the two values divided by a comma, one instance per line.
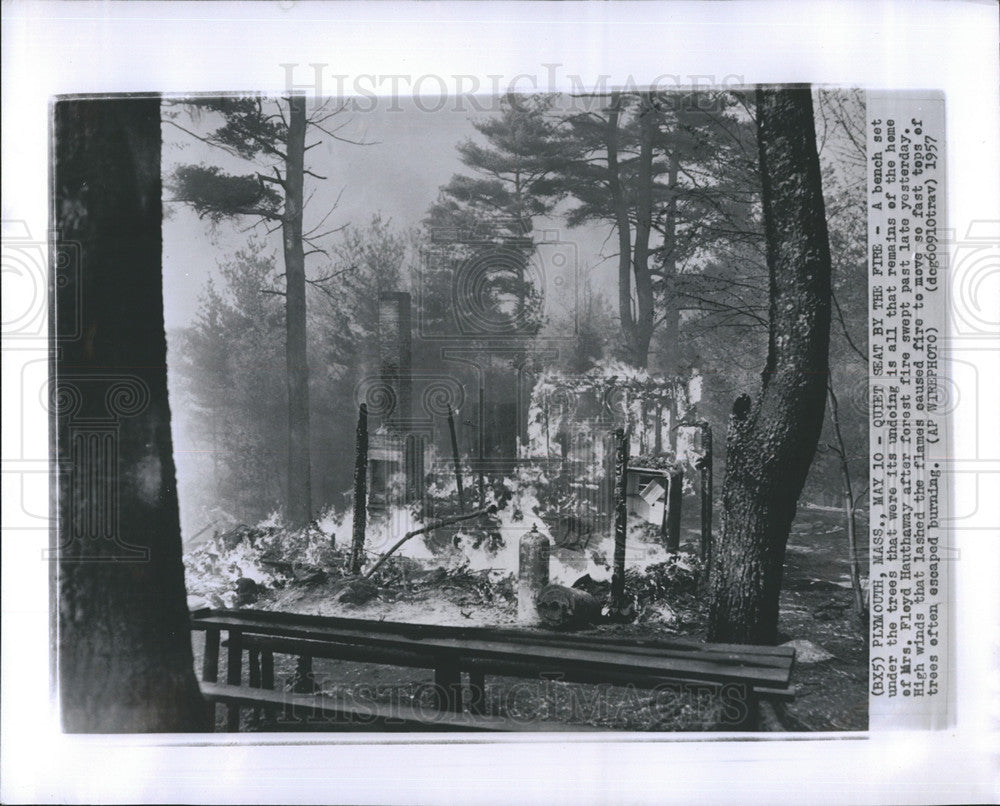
[816, 606]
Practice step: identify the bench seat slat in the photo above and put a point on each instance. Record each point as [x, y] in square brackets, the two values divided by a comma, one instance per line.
[620, 661]
[726, 666]
[551, 658]
[277, 620]
[367, 712]
[510, 666]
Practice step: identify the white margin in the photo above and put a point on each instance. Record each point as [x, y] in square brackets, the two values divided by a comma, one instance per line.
[71, 47]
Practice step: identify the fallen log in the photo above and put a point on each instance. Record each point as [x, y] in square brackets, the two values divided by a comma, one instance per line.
[491, 509]
[563, 608]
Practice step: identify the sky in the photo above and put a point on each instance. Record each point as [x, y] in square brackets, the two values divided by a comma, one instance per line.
[411, 154]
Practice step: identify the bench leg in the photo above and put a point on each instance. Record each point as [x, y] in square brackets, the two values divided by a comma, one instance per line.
[448, 688]
[210, 667]
[741, 708]
[267, 669]
[253, 662]
[304, 681]
[753, 713]
[234, 677]
[210, 661]
[267, 679]
[477, 693]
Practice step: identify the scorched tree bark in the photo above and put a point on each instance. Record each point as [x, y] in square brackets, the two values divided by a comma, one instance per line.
[124, 643]
[771, 441]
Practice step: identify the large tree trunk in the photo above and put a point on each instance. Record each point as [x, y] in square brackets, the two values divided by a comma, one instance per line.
[623, 227]
[771, 443]
[299, 501]
[671, 309]
[643, 227]
[125, 660]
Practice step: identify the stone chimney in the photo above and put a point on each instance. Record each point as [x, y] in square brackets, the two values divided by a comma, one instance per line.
[395, 354]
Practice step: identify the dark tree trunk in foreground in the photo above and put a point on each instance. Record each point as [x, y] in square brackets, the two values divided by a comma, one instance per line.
[299, 483]
[771, 442]
[125, 661]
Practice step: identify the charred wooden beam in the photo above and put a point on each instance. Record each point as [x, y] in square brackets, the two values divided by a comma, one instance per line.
[429, 528]
[618, 602]
[360, 491]
[456, 459]
[672, 510]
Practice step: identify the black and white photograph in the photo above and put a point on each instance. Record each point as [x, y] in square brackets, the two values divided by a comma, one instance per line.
[544, 412]
[462, 433]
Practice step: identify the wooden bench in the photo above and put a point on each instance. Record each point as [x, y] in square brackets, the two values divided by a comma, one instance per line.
[741, 675]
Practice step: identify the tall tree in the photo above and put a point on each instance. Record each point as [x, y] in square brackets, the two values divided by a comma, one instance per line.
[482, 220]
[665, 171]
[228, 369]
[270, 135]
[771, 441]
[125, 660]
[478, 278]
[368, 261]
[512, 166]
[609, 175]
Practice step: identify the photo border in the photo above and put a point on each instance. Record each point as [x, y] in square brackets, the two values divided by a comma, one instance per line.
[60, 48]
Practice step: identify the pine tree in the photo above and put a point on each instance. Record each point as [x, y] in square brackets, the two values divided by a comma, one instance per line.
[269, 134]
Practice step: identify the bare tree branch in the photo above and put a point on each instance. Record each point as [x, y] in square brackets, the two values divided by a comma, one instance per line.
[319, 280]
[337, 137]
[257, 223]
[207, 140]
[308, 238]
[273, 180]
[322, 221]
[843, 326]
